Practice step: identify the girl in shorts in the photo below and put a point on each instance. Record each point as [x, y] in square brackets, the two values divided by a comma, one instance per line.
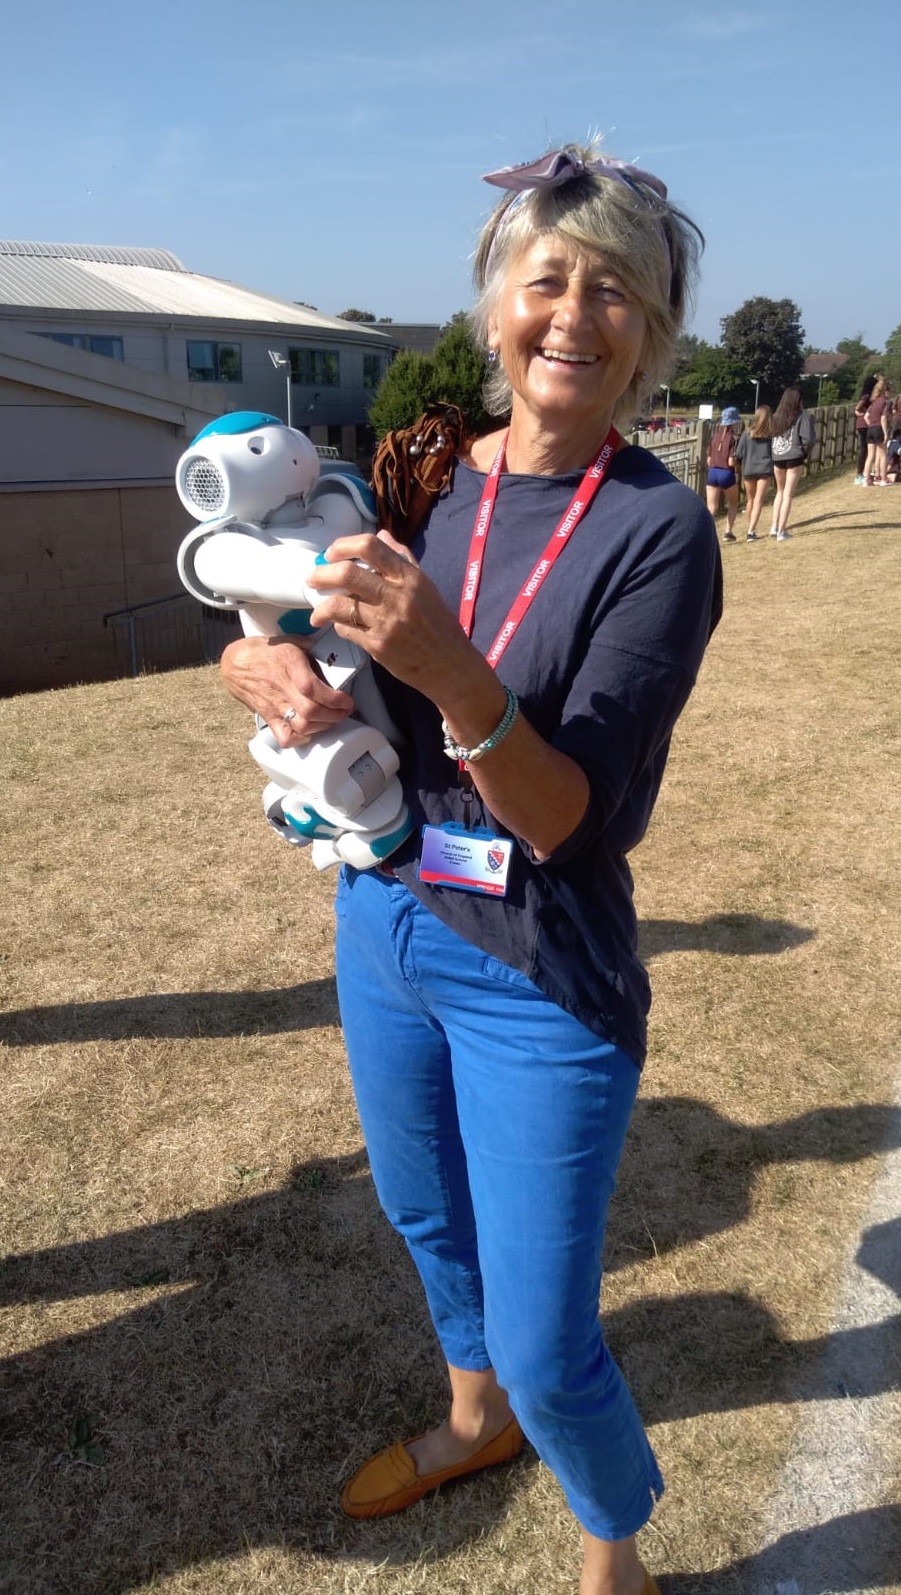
[722, 481]
[754, 453]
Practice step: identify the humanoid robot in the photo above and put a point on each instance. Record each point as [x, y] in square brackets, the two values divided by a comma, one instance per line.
[266, 515]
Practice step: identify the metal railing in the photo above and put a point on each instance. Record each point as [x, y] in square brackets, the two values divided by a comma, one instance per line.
[169, 633]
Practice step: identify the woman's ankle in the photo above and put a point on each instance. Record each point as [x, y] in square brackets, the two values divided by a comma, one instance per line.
[611, 1567]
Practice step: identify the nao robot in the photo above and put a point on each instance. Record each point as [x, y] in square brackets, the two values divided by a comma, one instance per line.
[266, 516]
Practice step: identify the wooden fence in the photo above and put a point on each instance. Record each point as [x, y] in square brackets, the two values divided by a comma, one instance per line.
[683, 449]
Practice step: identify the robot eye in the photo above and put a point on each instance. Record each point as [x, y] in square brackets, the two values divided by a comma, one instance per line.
[256, 445]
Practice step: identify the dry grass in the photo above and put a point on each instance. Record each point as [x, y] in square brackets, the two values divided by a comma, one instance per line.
[207, 1321]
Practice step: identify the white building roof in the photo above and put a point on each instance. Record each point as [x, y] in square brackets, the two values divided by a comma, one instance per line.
[113, 280]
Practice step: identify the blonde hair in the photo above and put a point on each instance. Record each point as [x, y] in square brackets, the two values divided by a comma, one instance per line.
[651, 246]
[762, 423]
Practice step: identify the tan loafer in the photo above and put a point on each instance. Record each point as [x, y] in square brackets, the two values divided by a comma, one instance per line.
[388, 1482]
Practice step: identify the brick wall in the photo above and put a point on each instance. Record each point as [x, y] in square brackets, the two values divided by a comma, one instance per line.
[69, 556]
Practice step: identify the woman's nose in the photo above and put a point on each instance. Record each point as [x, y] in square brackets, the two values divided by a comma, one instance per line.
[572, 305]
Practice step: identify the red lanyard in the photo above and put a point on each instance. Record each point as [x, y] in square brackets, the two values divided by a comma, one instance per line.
[581, 500]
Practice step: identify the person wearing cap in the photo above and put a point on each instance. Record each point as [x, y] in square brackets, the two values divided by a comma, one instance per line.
[722, 477]
[535, 645]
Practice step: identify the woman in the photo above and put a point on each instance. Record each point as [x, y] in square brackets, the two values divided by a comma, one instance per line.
[794, 435]
[754, 453]
[495, 1038]
[877, 416]
[722, 481]
[860, 424]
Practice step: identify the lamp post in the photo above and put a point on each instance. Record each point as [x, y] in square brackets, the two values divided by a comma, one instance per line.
[282, 363]
[665, 388]
[756, 382]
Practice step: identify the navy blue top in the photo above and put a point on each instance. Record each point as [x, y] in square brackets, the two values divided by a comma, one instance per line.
[603, 663]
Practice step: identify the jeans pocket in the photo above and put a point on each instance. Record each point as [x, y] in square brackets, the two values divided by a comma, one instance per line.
[495, 969]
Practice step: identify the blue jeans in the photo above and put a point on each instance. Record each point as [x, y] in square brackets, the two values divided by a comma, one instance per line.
[494, 1123]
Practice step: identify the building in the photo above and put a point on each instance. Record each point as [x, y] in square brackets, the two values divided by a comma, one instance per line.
[420, 337]
[110, 360]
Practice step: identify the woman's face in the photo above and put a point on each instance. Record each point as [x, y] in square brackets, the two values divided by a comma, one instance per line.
[568, 332]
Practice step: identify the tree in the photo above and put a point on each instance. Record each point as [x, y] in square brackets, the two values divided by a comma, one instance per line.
[687, 350]
[712, 378]
[355, 315]
[405, 390]
[453, 374]
[765, 336]
[850, 379]
[460, 372]
[891, 362]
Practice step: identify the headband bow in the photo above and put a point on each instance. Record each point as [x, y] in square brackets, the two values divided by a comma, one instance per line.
[560, 167]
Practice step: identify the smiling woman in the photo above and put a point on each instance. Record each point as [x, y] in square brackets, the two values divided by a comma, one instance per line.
[570, 338]
[492, 999]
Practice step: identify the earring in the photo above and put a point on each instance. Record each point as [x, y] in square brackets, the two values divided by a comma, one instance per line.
[492, 357]
[642, 376]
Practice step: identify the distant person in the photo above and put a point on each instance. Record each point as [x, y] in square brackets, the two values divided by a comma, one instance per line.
[794, 435]
[860, 423]
[893, 455]
[878, 416]
[754, 453]
[722, 481]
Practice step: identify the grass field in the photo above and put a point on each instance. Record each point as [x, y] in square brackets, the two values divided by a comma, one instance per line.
[206, 1323]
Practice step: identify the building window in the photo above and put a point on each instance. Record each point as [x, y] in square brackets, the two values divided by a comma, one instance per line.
[372, 370]
[315, 368]
[91, 344]
[214, 362]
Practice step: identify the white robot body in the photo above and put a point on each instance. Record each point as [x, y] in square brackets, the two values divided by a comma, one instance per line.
[266, 518]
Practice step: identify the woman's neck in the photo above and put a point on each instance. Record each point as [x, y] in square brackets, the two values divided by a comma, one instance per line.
[536, 449]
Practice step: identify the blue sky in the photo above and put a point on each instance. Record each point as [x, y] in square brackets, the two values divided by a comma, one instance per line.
[331, 151]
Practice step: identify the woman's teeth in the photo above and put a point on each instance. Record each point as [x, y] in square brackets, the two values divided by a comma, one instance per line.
[568, 359]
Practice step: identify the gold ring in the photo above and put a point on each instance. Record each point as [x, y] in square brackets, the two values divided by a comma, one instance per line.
[355, 615]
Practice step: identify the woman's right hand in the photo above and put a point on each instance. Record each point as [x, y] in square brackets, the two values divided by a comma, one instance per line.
[272, 675]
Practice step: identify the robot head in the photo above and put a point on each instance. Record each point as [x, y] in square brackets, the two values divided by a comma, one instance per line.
[245, 465]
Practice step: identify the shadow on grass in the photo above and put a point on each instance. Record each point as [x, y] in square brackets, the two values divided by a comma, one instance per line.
[729, 934]
[283, 1337]
[860, 1551]
[179, 1014]
[688, 1173]
[175, 1014]
[737, 1357]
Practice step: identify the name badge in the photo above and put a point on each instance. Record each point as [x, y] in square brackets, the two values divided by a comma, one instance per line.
[471, 861]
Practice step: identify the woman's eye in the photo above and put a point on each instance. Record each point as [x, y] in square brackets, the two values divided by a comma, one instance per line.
[609, 290]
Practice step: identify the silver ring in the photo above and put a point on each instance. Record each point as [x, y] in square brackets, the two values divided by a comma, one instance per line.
[289, 715]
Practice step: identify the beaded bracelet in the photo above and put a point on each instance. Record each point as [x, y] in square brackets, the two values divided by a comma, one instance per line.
[472, 755]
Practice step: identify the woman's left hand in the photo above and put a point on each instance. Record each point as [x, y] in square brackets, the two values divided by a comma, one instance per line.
[374, 593]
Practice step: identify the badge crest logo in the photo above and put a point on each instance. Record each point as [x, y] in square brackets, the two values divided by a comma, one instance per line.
[495, 858]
